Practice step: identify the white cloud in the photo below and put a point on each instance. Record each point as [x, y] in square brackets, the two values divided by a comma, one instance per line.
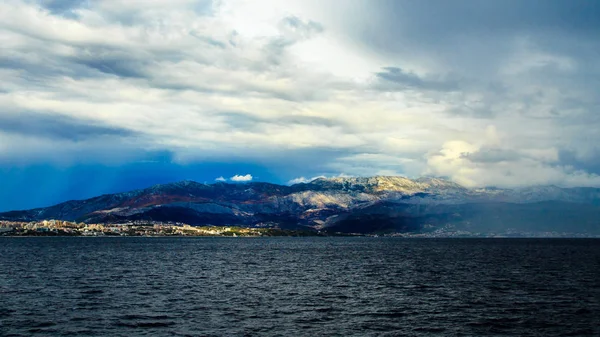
[220, 179]
[298, 79]
[307, 180]
[241, 178]
[459, 161]
[300, 180]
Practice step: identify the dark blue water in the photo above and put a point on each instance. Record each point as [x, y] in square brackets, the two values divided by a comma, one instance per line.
[298, 287]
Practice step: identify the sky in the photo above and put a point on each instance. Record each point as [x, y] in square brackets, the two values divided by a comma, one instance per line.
[106, 96]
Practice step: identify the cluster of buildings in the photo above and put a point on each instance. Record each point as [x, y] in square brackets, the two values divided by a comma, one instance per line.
[155, 228]
[137, 228]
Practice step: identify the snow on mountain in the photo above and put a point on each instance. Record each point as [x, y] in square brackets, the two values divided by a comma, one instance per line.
[321, 201]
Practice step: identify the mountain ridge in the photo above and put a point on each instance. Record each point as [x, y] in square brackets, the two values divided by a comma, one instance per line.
[342, 204]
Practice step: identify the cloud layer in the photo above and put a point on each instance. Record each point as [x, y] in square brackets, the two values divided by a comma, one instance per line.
[504, 96]
[241, 178]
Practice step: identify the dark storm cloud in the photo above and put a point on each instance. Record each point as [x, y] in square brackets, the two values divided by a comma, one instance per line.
[57, 127]
[475, 37]
[589, 162]
[436, 20]
[532, 57]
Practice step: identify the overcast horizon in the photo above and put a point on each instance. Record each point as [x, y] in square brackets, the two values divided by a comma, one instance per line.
[108, 96]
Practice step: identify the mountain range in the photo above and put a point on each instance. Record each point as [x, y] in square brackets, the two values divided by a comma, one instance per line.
[380, 204]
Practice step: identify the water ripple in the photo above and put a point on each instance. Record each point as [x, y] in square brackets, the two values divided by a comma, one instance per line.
[298, 287]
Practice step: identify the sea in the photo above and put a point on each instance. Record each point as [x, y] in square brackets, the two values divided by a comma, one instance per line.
[314, 286]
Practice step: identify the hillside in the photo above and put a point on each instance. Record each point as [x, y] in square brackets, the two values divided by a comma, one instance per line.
[358, 205]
